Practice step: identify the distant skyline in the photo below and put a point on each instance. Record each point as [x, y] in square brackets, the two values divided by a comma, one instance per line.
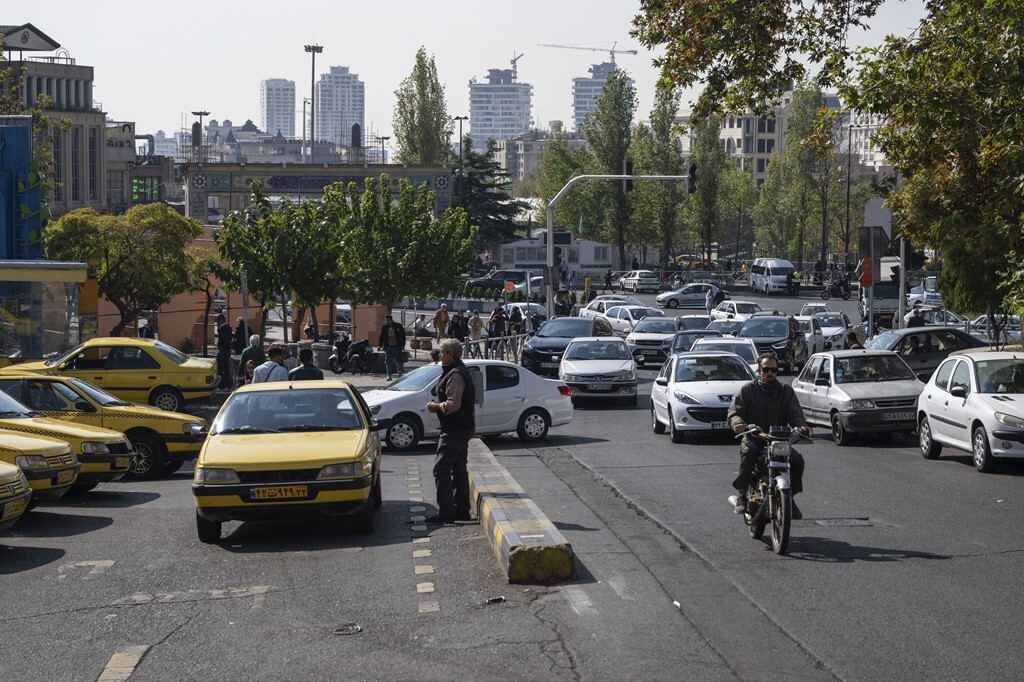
[154, 63]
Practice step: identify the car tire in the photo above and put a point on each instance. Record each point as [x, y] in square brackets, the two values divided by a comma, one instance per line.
[675, 434]
[167, 398]
[672, 303]
[983, 459]
[656, 425]
[208, 531]
[404, 433]
[366, 519]
[149, 459]
[929, 448]
[378, 494]
[533, 426]
[840, 436]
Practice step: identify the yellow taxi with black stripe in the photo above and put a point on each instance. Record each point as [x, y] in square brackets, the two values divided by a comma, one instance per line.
[136, 370]
[285, 449]
[160, 441]
[15, 494]
[104, 454]
[47, 463]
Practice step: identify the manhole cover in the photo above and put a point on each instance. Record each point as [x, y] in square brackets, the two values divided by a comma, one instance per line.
[349, 629]
[843, 522]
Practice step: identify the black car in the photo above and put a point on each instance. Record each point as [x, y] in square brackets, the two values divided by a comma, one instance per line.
[683, 341]
[496, 279]
[542, 354]
[779, 335]
[924, 348]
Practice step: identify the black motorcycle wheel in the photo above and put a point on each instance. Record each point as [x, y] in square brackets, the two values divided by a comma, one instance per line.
[782, 515]
[825, 294]
[846, 295]
[357, 365]
[756, 530]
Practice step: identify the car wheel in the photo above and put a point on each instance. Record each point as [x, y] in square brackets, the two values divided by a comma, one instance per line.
[403, 434]
[378, 494]
[839, 434]
[365, 521]
[208, 531]
[675, 434]
[656, 425]
[983, 459]
[149, 459]
[672, 303]
[929, 448]
[533, 426]
[167, 398]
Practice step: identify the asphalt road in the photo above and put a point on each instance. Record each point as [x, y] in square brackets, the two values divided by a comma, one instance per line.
[901, 569]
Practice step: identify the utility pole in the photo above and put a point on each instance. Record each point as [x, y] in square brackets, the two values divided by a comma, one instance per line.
[313, 50]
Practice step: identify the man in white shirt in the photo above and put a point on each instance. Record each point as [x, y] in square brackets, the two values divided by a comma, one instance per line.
[272, 369]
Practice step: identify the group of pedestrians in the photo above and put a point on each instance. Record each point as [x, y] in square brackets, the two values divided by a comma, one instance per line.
[256, 365]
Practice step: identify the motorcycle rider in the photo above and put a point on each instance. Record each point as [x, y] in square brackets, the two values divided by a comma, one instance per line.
[767, 403]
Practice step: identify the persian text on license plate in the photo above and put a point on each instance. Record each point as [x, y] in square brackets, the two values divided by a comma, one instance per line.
[65, 476]
[12, 509]
[897, 416]
[279, 492]
[719, 425]
[598, 387]
[549, 365]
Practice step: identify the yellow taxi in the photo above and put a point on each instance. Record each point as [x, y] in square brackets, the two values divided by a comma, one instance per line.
[104, 454]
[14, 494]
[48, 464]
[160, 440]
[136, 370]
[285, 449]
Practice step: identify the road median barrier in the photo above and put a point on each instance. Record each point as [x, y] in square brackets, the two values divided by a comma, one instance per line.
[527, 544]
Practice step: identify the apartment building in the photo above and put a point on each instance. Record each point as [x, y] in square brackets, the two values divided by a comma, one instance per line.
[500, 109]
[340, 104]
[277, 106]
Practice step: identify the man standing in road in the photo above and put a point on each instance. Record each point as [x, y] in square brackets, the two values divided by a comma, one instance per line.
[392, 341]
[273, 369]
[607, 281]
[454, 407]
[224, 335]
[798, 277]
[306, 370]
[852, 342]
[441, 321]
[709, 299]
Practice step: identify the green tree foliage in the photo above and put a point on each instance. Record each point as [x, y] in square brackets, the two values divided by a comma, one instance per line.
[201, 278]
[745, 54]
[139, 259]
[421, 123]
[483, 193]
[702, 206]
[773, 219]
[737, 197]
[558, 164]
[607, 130]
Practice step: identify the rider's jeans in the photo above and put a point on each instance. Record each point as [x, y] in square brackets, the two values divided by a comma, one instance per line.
[748, 458]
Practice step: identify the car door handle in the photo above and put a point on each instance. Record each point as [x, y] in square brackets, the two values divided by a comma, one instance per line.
[152, 378]
[946, 404]
[99, 378]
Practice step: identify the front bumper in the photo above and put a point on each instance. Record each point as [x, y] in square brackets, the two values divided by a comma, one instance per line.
[880, 420]
[236, 502]
[699, 417]
[542, 363]
[621, 389]
[9, 506]
[49, 485]
[103, 468]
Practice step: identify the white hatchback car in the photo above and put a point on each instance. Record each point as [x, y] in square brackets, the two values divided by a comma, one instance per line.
[693, 392]
[622, 318]
[599, 367]
[745, 348]
[974, 402]
[601, 304]
[508, 398]
[735, 310]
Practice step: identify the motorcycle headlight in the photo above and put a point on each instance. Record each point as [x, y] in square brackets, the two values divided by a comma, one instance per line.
[30, 461]
[861, 405]
[685, 398]
[1009, 419]
[349, 470]
[204, 475]
[95, 448]
[779, 449]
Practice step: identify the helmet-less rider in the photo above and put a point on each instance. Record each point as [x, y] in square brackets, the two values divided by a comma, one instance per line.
[767, 403]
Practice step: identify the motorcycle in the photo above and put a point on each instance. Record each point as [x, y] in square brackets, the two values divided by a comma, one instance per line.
[838, 289]
[339, 359]
[359, 358]
[769, 497]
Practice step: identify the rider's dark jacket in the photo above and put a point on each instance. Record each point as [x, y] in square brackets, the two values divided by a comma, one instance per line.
[756, 403]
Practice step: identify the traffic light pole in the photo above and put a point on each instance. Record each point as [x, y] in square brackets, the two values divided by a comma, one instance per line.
[548, 287]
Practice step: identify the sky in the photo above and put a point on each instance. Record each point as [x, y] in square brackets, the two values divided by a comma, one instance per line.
[154, 62]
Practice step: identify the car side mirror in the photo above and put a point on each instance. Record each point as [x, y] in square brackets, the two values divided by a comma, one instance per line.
[84, 406]
[382, 424]
[958, 392]
[661, 381]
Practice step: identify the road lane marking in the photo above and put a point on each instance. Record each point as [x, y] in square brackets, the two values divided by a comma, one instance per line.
[422, 553]
[419, 540]
[429, 607]
[618, 583]
[423, 588]
[123, 663]
[423, 569]
[96, 569]
[579, 601]
[418, 508]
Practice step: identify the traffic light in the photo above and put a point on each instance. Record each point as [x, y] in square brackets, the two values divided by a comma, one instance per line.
[691, 178]
[627, 169]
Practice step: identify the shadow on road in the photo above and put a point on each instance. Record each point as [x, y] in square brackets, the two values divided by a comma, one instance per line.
[105, 498]
[20, 559]
[827, 550]
[47, 524]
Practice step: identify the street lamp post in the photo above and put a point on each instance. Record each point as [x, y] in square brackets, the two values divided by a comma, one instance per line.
[383, 139]
[460, 119]
[200, 114]
[305, 101]
[313, 50]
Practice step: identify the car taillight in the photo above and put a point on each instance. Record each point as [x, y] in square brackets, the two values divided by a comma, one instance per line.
[565, 390]
[209, 378]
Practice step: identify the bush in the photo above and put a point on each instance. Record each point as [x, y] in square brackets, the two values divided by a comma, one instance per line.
[187, 346]
[478, 293]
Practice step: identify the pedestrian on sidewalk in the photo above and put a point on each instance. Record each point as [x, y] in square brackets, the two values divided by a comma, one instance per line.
[392, 342]
[306, 370]
[441, 321]
[253, 353]
[455, 412]
[273, 369]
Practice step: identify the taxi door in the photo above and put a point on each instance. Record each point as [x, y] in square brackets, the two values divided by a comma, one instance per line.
[90, 364]
[131, 373]
[54, 399]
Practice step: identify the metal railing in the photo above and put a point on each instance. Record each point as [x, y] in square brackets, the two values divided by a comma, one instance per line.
[508, 348]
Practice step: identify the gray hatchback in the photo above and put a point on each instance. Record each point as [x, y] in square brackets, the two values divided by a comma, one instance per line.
[924, 348]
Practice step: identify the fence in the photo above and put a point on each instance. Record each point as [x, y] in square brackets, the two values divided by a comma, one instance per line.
[508, 348]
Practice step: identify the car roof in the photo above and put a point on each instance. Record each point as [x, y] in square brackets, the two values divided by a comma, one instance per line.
[707, 354]
[852, 352]
[690, 317]
[293, 385]
[929, 328]
[986, 354]
[604, 339]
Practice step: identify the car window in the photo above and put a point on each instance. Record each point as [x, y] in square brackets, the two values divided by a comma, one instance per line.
[129, 358]
[501, 376]
[13, 388]
[961, 377]
[871, 368]
[707, 368]
[942, 375]
[810, 371]
[602, 328]
[826, 370]
[747, 308]
[655, 326]
[173, 354]
[945, 340]
[417, 380]
[1001, 376]
[49, 396]
[88, 358]
[666, 369]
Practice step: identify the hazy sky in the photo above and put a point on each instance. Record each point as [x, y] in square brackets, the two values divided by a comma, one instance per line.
[155, 62]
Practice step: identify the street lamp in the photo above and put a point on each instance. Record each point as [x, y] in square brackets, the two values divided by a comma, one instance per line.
[313, 50]
[305, 101]
[200, 114]
[460, 119]
[383, 139]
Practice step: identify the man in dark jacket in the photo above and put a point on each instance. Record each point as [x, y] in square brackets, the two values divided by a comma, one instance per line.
[767, 403]
[224, 338]
[392, 341]
[241, 336]
[306, 369]
[454, 407]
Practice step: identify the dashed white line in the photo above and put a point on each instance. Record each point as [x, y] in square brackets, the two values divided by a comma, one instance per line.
[123, 663]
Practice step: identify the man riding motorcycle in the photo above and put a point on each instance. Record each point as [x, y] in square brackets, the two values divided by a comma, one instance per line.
[767, 403]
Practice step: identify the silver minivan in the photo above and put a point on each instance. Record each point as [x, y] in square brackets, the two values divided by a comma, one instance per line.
[769, 275]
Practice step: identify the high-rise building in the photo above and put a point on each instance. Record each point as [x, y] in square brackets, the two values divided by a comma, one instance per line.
[340, 104]
[277, 106]
[586, 92]
[501, 108]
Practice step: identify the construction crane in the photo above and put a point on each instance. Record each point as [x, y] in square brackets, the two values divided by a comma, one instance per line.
[611, 51]
[515, 73]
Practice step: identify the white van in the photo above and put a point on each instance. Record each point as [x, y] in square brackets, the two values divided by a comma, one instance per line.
[769, 275]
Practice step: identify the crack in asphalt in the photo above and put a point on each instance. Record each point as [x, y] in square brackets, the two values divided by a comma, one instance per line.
[540, 601]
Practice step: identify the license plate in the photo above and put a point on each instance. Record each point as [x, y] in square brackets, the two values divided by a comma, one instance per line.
[650, 352]
[12, 509]
[719, 425]
[598, 387]
[122, 462]
[65, 476]
[549, 365]
[279, 492]
[897, 416]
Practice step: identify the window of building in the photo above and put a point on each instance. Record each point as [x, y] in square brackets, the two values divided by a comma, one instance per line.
[93, 164]
[602, 254]
[76, 164]
[760, 165]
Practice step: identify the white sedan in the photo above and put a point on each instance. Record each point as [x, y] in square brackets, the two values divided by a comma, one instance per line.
[745, 348]
[623, 317]
[693, 392]
[599, 367]
[834, 327]
[651, 340]
[974, 402]
[508, 398]
[812, 333]
[735, 310]
[601, 304]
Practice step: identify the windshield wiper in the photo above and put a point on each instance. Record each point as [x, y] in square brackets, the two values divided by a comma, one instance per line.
[16, 413]
[316, 427]
[245, 429]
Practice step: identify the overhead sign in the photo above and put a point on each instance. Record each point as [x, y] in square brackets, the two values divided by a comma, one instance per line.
[872, 243]
[876, 214]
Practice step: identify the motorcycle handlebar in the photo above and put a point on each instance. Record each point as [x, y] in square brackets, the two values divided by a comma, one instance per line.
[755, 430]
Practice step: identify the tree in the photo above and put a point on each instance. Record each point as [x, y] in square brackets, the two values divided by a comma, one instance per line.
[773, 219]
[702, 206]
[484, 195]
[139, 259]
[421, 123]
[202, 278]
[607, 130]
[737, 196]
[582, 203]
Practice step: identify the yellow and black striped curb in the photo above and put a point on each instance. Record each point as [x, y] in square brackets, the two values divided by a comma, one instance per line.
[528, 546]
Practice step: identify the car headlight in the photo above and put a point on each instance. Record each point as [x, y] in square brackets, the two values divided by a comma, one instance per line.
[684, 398]
[572, 377]
[192, 428]
[24, 481]
[204, 475]
[626, 376]
[30, 461]
[349, 470]
[95, 448]
[861, 405]
[781, 346]
[1009, 419]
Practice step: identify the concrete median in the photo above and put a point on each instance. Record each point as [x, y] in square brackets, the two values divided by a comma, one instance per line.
[527, 544]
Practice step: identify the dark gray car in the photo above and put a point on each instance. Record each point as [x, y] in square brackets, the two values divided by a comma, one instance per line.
[924, 348]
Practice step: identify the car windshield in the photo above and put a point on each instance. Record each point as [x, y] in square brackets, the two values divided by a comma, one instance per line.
[566, 327]
[693, 322]
[883, 341]
[172, 354]
[747, 308]
[655, 326]
[862, 368]
[726, 326]
[57, 359]
[288, 410]
[744, 350]
[9, 407]
[641, 313]
[723, 368]
[1001, 376]
[765, 326]
[805, 326]
[831, 320]
[417, 380]
[97, 394]
[597, 350]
